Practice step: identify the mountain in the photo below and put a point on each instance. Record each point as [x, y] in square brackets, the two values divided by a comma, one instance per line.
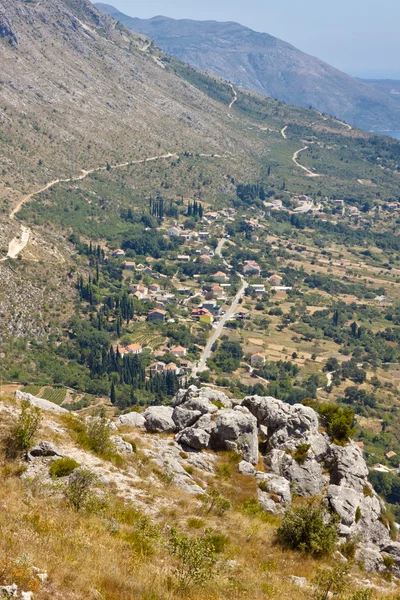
[267, 65]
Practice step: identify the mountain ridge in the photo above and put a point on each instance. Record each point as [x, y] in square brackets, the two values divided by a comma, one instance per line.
[269, 66]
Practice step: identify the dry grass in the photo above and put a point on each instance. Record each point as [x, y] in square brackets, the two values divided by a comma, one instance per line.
[112, 551]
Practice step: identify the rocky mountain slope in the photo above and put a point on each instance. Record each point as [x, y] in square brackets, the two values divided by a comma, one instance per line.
[264, 64]
[194, 466]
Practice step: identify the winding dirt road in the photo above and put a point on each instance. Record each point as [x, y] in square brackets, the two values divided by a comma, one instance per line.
[283, 132]
[18, 243]
[294, 159]
[234, 96]
[85, 174]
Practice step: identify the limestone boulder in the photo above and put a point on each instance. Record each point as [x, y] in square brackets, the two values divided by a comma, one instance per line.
[276, 485]
[246, 468]
[236, 429]
[184, 417]
[45, 449]
[159, 419]
[197, 439]
[40, 402]
[132, 419]
[347, 466]
[121, 445]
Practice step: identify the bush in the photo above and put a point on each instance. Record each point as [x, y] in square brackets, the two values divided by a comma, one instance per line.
[98, 430]
[78, 490]
[331, 581]
[196, 559]
[24, 430]
[338, 422]
[310, 528]
[301, 453]
[215, 502]
[62, 467]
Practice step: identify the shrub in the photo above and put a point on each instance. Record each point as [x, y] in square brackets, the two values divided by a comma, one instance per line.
[358, 514]
[338, 422]
[62, 467]
[310, 528]
[301, 453]
[349, 547]
[196, 559]
[143, 536]
[218, 541]
[24, 430]
[98, 430]
[214, 501]
[195, 523]
[367, 491]
[389, 562]
[331, 581]
[78, 490]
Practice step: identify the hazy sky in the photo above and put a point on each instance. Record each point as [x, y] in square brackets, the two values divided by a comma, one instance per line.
[357, 36]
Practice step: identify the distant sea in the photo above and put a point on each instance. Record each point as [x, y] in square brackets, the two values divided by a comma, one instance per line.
[395, 134]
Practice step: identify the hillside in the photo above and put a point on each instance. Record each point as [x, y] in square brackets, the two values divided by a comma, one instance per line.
[129, 509]
[161, 227]
[267, 65]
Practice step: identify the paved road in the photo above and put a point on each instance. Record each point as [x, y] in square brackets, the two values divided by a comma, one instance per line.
[202, 364]
[218, 249]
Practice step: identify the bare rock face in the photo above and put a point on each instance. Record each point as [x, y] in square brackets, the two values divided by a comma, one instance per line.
[159, 419]
[197, 439]
[184, 417]
[236, 430]
[6, 30]
[347, 466]
[132, 419]
[339, 474]
[40, 402]
[45, 449]
[307, 479]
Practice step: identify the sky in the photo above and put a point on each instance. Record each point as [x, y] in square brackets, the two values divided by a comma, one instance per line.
[360, 37]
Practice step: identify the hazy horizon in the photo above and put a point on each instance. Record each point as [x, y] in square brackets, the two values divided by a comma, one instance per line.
[360, 38]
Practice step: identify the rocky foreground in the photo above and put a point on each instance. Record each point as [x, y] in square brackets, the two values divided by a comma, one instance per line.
[267, 433]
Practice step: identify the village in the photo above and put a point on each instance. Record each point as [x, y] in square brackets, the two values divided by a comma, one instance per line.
[204, 276]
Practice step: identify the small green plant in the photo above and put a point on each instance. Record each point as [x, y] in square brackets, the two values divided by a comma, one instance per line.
[195, 523]
[338, 422]
[213, 501]
[365, 594]
[143, 535]
[301, 453]
[349, 547]
[196, 559]
[79, 488]
[24, 430]
[310, 528]
[62, 467]
[98, 430]
[388, 562]
[166, 477]
[367, 491]
[358, 514]
[331, 581]
[218, 541]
